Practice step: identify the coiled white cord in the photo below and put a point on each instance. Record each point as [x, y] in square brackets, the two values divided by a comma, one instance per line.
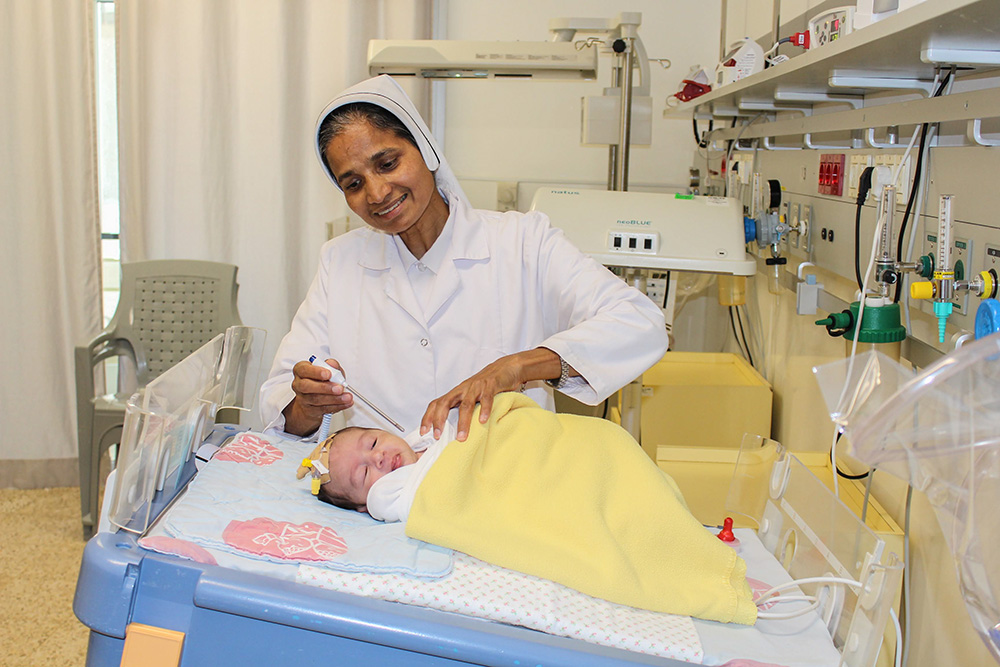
[766, 598]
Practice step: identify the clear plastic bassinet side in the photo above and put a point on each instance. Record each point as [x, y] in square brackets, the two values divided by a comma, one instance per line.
[940, 430]
[167, 420]
[813, 534]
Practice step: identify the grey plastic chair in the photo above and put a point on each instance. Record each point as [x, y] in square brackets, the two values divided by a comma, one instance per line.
[167, 310]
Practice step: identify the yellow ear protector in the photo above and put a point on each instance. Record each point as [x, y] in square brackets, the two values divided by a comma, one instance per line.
[315, 465]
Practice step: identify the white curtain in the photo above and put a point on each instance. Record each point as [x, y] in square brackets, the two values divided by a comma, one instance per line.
[217, 105]
[50, 300]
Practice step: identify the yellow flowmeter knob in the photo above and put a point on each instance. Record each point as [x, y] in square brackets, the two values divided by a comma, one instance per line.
[922, 290]
[989, 285]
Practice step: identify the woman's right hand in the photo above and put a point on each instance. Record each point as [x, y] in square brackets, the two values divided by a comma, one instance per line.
[315, 396]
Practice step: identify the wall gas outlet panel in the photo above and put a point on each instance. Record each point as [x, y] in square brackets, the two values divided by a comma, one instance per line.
[832, 168]
[831, 26]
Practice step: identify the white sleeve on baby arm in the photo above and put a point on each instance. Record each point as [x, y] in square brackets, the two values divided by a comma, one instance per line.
[391, 497]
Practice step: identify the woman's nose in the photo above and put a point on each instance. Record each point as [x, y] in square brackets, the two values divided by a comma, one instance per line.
[378, 190]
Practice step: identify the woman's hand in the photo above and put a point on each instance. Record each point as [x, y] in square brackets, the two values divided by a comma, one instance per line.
[315, 396]
[505, 374]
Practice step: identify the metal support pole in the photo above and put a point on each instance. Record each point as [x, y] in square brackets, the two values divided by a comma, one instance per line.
[613, 148]
[625, 115]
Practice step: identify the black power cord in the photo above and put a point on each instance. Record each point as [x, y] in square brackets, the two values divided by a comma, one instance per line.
[864, 186]
[845, 475]
[698, 139]
[917, 173]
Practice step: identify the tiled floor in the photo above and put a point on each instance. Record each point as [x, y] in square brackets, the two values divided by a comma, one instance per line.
[40, 549]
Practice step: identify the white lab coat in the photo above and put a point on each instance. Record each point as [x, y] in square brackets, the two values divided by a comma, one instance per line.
[511, 282]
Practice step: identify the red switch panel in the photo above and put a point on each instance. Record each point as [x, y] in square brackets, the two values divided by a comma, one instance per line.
[831, 173]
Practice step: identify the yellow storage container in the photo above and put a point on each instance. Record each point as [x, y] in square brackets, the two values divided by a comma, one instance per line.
[692, 399]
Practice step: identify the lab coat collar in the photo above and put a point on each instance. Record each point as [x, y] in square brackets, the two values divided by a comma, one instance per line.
[468, 241]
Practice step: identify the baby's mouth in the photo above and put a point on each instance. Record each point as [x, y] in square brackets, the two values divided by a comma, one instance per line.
[396, 462]
[393, 207]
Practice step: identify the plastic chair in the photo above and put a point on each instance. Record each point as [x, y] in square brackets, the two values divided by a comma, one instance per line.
[166, 311]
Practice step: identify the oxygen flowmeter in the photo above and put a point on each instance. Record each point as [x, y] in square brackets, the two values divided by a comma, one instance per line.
[765, 226]
[948, 278]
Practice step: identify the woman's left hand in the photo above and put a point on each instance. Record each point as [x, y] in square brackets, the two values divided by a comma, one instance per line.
[504, 374]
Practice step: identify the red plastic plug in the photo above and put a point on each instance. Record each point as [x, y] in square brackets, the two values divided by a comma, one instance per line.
[726, 534]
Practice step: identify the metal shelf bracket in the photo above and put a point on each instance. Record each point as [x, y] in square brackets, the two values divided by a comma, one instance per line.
[974, 131]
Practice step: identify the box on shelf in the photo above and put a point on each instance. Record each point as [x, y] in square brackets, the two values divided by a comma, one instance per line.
[692, 399]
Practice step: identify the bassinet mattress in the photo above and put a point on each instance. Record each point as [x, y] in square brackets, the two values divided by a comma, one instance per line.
[471, 587]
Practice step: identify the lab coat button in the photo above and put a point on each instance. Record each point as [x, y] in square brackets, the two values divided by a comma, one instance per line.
[424, 342]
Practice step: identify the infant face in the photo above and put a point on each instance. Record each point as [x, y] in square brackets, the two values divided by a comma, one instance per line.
[359, 457]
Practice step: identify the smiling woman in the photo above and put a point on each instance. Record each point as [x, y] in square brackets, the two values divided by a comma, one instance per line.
[384, 178]
[437, 299]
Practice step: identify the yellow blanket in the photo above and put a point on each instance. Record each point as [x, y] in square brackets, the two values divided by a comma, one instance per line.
[575, 500]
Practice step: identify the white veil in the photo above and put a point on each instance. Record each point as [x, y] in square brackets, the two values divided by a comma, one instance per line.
[383, 91]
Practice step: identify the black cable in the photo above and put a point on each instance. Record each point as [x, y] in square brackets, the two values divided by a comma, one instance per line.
[845, 475]
[864, 185]
[698, 139]
[917, 174]
[739, 320]
[732, 323]
[743, 334]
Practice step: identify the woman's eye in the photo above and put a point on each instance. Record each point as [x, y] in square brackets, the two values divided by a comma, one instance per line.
[350, 187]
[389, 166]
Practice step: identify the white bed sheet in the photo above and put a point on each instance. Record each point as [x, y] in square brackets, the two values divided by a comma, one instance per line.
[486, 591]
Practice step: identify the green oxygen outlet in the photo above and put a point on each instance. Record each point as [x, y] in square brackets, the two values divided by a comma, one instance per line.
[881, 324]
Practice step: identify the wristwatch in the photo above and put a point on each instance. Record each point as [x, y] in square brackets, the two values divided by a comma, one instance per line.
[563, 375]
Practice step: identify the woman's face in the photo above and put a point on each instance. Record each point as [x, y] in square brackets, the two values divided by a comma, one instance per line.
[384, 178]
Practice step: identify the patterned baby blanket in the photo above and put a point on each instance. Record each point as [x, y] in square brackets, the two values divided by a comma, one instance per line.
[247, 502]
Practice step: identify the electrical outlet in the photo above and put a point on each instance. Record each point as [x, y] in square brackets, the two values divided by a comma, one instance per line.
[656, 290]
[806, 220]
[858, 164]
[892, 160]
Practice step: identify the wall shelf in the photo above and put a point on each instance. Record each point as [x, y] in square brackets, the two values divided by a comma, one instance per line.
[900, 52]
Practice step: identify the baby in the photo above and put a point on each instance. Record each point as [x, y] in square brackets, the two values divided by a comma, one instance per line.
[375, 471]
[611, 525]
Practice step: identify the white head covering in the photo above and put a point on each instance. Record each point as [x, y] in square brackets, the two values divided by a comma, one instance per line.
[383, 91]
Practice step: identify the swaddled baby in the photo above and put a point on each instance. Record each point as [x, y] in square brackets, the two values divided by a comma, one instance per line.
[567, 498]
[375, 471]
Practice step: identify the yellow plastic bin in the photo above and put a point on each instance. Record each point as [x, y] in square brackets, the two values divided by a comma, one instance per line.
[703, 399]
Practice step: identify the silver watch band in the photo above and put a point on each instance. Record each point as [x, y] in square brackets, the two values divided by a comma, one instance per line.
[563, 375]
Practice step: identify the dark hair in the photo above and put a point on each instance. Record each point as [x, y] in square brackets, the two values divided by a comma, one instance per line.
[336, 498]
[340, 118]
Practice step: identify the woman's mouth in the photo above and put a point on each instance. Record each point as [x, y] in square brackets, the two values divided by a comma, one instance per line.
[392, 207]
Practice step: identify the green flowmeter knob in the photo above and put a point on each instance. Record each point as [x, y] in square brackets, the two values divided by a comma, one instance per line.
[959, 270]
[926, 266]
